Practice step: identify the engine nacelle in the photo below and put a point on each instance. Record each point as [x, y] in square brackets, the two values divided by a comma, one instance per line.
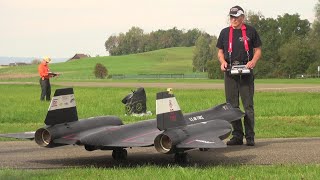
[44, 138]
[165, 142]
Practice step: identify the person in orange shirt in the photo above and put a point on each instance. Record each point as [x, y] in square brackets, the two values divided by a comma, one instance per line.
[45, 75]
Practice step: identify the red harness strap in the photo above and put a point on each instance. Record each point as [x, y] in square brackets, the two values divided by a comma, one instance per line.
[244, 37]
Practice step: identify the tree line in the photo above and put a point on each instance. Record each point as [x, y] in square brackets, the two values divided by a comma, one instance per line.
[291, 45]
[136, 41]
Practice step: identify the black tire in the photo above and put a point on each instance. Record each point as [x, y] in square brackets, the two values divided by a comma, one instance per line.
[90, 148]
[204, 149]
[181, 158]
[119, 154]
[123, 154]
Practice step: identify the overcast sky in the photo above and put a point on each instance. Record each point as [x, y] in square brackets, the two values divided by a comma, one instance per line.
[61, 28]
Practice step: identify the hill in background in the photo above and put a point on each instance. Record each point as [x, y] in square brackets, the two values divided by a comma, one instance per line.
[176, 60]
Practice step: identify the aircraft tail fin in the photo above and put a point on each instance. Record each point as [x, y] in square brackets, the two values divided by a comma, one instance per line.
[62, 108]
[168, 111]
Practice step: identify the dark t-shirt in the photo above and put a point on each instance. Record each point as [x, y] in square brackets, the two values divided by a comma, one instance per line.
[238, 51]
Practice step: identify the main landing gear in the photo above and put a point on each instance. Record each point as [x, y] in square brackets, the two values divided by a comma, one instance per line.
[119, 154]
[203, 149]
[181, 158]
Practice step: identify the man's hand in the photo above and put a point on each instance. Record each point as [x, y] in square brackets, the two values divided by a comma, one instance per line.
[256, 56]
[224, 66]
[223, 62]
[251, 64]
[51, 74]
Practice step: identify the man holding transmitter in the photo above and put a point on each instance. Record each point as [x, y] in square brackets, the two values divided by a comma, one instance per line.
[239, 44]
[44, 81]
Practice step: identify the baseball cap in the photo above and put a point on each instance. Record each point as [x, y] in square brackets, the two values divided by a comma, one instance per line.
[236, 11]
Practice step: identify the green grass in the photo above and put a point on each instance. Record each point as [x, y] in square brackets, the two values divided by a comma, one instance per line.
[288, 81]
[172, 172]
[287, 126]
[278, 114]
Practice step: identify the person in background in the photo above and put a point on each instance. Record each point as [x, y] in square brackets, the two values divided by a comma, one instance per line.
[239, 44]
[45, 76]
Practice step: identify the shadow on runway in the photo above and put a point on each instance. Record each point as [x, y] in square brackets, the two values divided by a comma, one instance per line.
[197, 159]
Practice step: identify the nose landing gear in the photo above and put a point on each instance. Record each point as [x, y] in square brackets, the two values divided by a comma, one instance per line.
[119, 154]
[181, 158]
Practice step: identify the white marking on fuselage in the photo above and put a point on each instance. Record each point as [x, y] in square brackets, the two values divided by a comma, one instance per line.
[203, 141]
[196, 118]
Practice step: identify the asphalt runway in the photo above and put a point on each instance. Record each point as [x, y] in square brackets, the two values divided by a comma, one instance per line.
[28, 155]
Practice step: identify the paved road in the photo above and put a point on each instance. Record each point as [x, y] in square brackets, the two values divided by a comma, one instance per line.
[28, 155]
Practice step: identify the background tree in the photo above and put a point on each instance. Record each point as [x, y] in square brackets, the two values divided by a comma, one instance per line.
[277, 35]
[213, 48]
[265, 69]
[296, 56]
[111, 44]
[173, 37]
[268, 29]
[135, 41]
[115, 45]
[213, 65]
[214, 71]
[313, 68]
[202, 54]
[151, 41]
[314, 40]
[190, 37]
[315, 33]
[292, 26]
[100, 71]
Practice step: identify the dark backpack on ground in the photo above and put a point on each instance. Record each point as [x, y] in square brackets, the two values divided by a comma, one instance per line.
[135, 102]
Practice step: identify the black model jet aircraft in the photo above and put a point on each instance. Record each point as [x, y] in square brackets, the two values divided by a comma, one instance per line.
[171, 132]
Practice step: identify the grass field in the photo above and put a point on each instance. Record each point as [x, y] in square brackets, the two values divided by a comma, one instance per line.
[277, 172]
[278, 114]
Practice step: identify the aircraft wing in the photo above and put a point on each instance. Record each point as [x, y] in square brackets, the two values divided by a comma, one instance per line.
[23, 135]
[139, 134]
[141, 139]
[73, 138]
[204, 140]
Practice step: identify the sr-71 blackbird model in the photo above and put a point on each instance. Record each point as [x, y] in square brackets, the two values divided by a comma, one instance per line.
[170, 133]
